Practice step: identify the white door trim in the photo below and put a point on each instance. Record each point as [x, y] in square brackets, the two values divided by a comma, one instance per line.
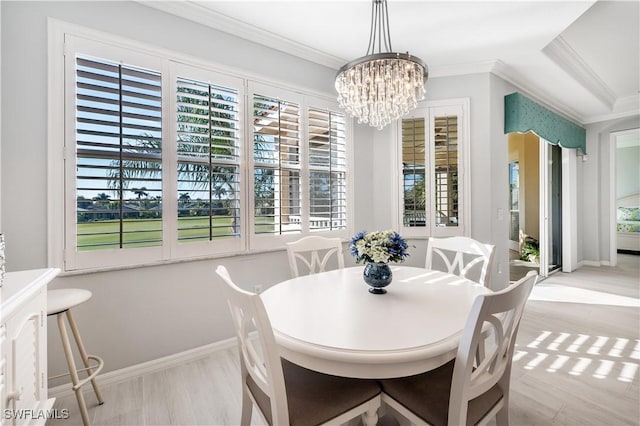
[613, 190]
[569, 210]
[544, 207]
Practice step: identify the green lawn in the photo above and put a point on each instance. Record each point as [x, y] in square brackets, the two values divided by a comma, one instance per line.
[105, 234]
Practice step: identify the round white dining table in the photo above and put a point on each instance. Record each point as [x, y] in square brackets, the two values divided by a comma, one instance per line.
[329, 322]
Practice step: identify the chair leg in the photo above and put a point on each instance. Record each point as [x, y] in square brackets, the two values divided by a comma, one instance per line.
[502, 416]
[247, 407]
[84, 356]
[370, 417]
[72, 370]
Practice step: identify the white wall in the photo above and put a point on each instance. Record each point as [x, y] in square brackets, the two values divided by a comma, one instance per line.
[499, 181]
[366, 148]
[628, 171]
[594, 176]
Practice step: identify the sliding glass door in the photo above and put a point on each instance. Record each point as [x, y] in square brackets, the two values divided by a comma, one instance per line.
[550, 207]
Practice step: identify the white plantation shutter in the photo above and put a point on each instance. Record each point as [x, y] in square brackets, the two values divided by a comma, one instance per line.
[276, 165]
[434, 190]
[158, 166]
[445, 168]
[327, 169]
[118, 155]
[413, 172]
[208, 164]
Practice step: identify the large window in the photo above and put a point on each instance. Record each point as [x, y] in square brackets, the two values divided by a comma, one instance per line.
[327, 169]
[118, 139]
[276, 165]
[208, 163]
[433, 153]
[158, 165]
[299, 166]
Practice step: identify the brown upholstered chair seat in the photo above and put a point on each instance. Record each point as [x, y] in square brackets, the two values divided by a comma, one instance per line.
[315, 398]
[427, 395]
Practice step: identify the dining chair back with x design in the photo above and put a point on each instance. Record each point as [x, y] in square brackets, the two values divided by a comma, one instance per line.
[461, 256]
[314, 254]
[283, 392]
[468, 390]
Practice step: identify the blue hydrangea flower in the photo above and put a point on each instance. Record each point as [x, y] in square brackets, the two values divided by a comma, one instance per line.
[386, 246]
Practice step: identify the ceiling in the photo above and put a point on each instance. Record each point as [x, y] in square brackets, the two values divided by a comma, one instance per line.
[579, 57]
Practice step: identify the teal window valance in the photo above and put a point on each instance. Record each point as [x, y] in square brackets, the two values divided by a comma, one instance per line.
[522, 115]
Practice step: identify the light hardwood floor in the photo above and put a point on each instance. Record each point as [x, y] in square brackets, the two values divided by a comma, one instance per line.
[576, 363]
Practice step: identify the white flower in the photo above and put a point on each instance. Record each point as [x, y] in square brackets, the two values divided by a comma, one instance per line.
[386, 246]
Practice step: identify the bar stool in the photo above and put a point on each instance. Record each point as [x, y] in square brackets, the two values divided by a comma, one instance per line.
[60, 302]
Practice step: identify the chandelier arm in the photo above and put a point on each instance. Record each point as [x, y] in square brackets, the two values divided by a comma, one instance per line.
[372, 33]
[387, 31]
[380, 27]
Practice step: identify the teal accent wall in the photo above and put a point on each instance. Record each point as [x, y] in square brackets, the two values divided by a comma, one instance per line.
[522, 115]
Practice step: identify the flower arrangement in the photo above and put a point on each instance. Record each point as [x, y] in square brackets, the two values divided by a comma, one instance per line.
[378, 246]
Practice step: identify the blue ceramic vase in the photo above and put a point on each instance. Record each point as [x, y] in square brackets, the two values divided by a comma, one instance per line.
[378, 276]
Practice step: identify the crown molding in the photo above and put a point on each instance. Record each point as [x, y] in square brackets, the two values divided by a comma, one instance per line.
[510, 75]
[624, 107]
[629, 104]
[201, 14]
[535, 92]
[561, 52]
[462, 69]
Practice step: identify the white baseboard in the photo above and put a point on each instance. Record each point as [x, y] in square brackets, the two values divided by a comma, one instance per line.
[149, 367]
[591, 263]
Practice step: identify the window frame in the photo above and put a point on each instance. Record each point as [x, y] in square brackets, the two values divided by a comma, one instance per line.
[74, 260]
[328, 107]
[211, 247]
[64, 40]
[429, 110]
[266, 242]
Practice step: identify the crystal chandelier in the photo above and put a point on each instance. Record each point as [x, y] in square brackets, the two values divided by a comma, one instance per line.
[381, 87]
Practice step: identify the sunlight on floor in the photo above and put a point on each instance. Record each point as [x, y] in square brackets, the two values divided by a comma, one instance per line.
[580, 354]
[559, 293]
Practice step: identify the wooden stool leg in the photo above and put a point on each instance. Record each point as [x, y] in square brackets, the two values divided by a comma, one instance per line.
[72, 370]
[83, 355]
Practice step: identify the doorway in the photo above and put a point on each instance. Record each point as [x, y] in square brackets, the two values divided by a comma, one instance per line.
[535, 196]
[550, 208]
[623, 184]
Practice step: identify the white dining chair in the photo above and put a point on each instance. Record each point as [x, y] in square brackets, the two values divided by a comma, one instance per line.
[283, 392]
[307, 251]
[461, 391]
[461, 256]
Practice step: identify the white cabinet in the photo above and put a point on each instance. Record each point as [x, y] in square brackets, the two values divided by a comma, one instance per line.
[23, 360]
